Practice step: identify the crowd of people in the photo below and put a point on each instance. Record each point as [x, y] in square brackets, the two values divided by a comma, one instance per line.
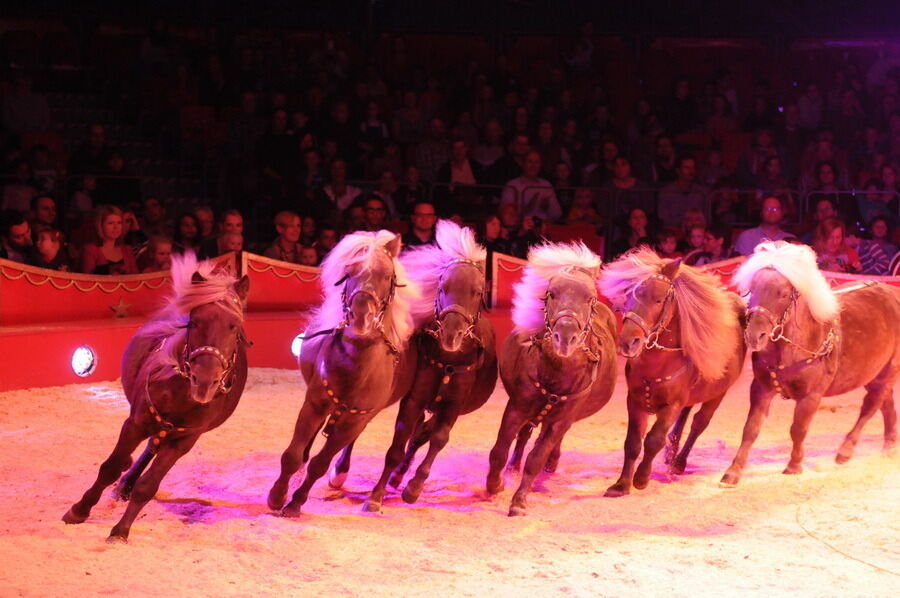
[316, 146]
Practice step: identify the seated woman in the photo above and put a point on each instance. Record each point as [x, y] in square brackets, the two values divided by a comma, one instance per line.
[187, 234]
[108, 254]
[833, 253]
[880, 229]
[637, 233]
[583, 209]
[716, 247]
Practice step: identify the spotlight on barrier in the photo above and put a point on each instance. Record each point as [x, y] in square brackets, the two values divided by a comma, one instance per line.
[84, 361]
[296, 344]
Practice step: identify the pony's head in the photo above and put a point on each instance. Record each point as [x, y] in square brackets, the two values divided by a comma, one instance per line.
[649, 304]
[366, 291]
[212, 302]
[783, 281]
[451, 275]
[557, 295]
[661, 295]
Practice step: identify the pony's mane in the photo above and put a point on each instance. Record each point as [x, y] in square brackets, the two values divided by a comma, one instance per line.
[709, 328]
[797, 263]
[426, 264]
[361, 249]
[546, 261]
[168, 323]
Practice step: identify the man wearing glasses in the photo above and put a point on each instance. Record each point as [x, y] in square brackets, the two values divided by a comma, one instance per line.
[423, 219]
[769, 228]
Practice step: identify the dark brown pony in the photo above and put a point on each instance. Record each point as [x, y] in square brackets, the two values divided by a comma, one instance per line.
[354, 360]
[183, 374]
[559, 365]
[683, 336]
[457, 366]
[809, 342]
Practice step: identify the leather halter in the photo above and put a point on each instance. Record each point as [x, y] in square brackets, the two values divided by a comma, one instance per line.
[651, 332]
[585, 328]
[188, 355]
[454, 308]
[776, 333]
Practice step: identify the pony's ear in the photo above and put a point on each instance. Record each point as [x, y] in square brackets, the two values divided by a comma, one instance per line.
[393, 246]
[197, 278]
[242, 287]
[670, 270]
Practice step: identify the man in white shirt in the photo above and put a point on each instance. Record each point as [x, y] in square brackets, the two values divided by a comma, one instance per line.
[532, 195]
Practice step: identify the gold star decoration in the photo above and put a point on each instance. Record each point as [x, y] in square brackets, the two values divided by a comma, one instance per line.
[120, 310]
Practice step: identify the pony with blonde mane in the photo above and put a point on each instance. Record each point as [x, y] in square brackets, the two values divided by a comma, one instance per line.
[810, 341]
[682, 335]
[183, 374]
[457, 366]
[559, 364]
[354, 358]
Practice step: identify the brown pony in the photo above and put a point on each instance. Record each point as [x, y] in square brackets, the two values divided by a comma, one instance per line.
[559, 365]
[809, 341]
[354, 359]
[682, 335]
[183, 373]
[457, 366]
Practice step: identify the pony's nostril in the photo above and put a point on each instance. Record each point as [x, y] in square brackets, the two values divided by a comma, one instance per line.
[556, 337]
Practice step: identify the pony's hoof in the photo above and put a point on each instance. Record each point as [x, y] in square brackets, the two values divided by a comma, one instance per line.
[842, 458]
[517, 511]
[276, 498]
[117, 537]
[411, 492]
[793, 469]
[71, 517]
[730, 479]
[616, 490]
[890, 448]
[371, 506]
[677, 467]
[336, 479]
[494, 487]
[291, 511]
[640, 481]
[551, 467]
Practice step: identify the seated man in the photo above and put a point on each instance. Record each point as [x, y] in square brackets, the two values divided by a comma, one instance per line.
[532, 195]
[15, 236]
[769, 228]
[682, 195]
[286, 247]
[423, 220]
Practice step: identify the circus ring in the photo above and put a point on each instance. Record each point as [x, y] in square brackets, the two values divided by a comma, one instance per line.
[829, 532]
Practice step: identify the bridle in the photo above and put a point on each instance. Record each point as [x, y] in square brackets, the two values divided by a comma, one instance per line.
[584, 328]
[454, 308]
[776, 333]
[651, 332]
[382, 303]
[188, 355]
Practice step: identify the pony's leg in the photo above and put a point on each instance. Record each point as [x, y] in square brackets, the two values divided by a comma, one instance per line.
[673, 440]
[126, 484]
[872, 402]
[509, 428]
[803, 414]
[760, 398]
[889, 412]
[698, 425]
[421, 432]
[309, 420]
[318, 466]
[550, 437]
[409, 418]
[110, 470]
[515, 462]
[553, 459]
[148, 483]
[653, 443]
[440, 435]
[338, 474]
[637, 425]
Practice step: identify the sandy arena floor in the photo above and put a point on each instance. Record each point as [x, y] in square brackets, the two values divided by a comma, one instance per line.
[833, 531]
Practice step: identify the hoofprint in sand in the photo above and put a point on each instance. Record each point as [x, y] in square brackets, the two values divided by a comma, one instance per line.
[832, 531]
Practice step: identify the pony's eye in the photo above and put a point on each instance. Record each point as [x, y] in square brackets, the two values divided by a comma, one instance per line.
[551, 295]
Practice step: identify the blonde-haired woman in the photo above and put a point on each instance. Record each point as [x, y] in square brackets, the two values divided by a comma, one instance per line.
[108, 254]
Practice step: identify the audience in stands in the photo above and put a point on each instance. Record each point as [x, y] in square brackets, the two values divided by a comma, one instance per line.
[267, 126]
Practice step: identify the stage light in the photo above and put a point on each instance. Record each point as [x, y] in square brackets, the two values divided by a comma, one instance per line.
[296, 344]
[84, 361]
